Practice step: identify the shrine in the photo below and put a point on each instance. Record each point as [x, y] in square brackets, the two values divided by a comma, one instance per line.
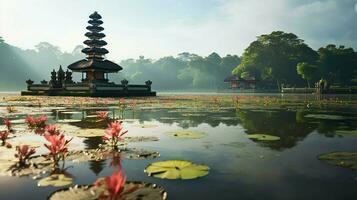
[94, 68]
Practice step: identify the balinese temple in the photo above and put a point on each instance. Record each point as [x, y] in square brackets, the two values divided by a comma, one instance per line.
[94, 68]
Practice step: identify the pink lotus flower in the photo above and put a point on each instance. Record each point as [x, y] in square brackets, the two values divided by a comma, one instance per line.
[114, 186]
[3, 136]
[23, 153]
[8, 124]
[57, 147]
[102, 115]
[52, 130]
[114, 133]
[39, 122]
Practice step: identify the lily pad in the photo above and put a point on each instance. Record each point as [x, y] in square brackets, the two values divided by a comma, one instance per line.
[352, 133]
[341, 159]
[187, 134]
[103, 154]
[90, 132]
[143, 191]
[68, 120]
[147, 125]
[71, 112]
[56, 180]
[325, 116]
[141, 139]
[38, 164]
[176, 169]
[18, 121]
[78, 132]
[263, 137]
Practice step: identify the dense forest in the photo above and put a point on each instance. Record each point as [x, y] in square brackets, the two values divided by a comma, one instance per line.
[285, 59]
[280, 58]
[186, 71]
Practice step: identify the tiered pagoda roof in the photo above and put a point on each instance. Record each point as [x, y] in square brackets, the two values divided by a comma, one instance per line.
[95, 52]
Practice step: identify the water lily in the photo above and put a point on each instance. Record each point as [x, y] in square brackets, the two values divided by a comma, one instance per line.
[23, 153]
[3, 136]
[102, 115]
[8, 124]
[52, 130]
[114, 133]
[114, 186]
[36, 122]
[57, 147]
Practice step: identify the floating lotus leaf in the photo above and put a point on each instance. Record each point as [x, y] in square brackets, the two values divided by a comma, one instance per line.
[325, 116]
[187, 134]
[341, 159]
[56, 180]
[92, 116]
[68, 120]
[141, 139]
[31, 144]
[38, 164]
[75, 131]
[103, 154]
[147, 125]
[18, 121]
[352, 133]
[71, 112]
[168, 118]
[90, 132]
[263, 137]
[176, 169]
[193, 115]
[144, 191]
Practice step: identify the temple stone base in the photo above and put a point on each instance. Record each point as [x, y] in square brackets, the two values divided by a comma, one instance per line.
[90, 90]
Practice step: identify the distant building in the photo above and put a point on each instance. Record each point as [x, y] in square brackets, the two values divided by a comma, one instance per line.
[95, 69]
[235, 82]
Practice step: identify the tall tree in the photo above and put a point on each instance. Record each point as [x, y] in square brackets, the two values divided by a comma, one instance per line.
[338, 64]
[306, 71]
[275, 56]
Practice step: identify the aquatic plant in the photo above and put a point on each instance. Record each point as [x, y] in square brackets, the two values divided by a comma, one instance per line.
[24, 152]
[114, 133]
[55, 180]
[36, 122]
[3, 136]
[57, 147]
[102, 115]
[52, 130]
[8, 124]
[114, 186]
[10, 109]
[176, 169]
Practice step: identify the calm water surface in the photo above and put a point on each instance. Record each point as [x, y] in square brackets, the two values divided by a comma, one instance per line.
[241, 168]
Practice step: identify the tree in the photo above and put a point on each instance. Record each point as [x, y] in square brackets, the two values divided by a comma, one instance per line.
[337, 65]
[306, 71]
[275, 56]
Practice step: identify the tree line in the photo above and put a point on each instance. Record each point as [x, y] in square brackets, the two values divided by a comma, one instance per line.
[285, 59]
[279, 58]
[186, 71]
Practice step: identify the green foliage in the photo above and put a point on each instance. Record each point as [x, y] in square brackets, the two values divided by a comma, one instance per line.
[338, 65]
[306, 71]
[275, 56]
[186, 71]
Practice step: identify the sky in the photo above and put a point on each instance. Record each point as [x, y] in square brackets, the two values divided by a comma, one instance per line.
[157, 28]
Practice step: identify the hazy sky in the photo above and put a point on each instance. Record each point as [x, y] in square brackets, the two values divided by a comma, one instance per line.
[156, 28]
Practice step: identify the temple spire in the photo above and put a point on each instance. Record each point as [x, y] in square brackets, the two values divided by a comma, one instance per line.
[95, 43]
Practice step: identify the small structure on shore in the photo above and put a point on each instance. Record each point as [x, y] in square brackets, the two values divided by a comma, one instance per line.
[236, 82]
[95, 69]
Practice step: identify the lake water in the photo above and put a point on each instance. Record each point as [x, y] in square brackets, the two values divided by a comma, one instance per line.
[240, 168]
